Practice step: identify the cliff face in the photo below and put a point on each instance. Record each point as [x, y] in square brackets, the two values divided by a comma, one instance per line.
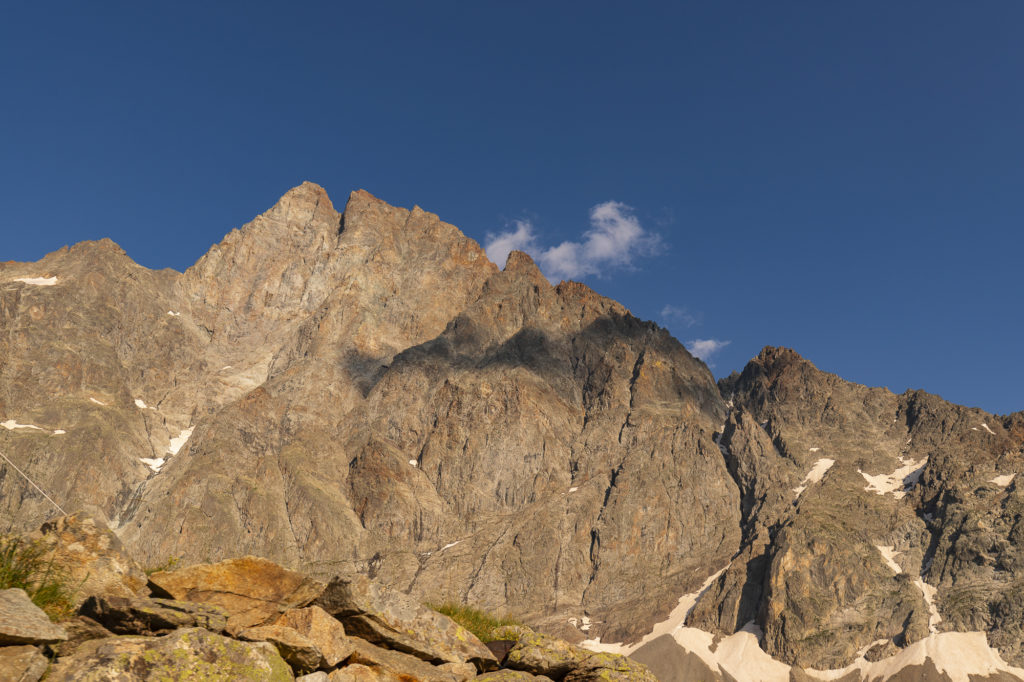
[364, 391]
[367, 391]
[868, 517]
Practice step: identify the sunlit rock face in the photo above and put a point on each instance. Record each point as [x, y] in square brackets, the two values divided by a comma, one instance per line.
[365, 390]
[362, 390]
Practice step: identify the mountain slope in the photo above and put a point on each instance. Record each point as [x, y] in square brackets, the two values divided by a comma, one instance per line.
[364, 391]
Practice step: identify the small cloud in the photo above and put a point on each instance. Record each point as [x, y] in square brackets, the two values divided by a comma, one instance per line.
[672, 313]
[521, 238]
[705, 348]
[614, 240]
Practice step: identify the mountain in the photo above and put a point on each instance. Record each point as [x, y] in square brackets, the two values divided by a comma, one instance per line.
[364, 391]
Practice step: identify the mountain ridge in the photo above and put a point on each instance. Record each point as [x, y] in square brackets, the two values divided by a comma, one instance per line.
[365, 392]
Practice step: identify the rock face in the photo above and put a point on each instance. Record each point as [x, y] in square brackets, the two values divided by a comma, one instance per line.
[868, 517]
[363, 392]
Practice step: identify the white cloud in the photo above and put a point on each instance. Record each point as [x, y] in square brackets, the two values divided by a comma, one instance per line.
[705, 348]
[521, 238]
[672, 313]
[614, 239]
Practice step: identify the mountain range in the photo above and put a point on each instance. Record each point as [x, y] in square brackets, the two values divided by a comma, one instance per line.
[365, 392]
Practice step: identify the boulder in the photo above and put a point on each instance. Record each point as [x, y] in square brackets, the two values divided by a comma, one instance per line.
[253, 591]
[299, 652]
[508, 675]
[92, 557]
[324, 631]
[540, 654]
[143, 616]
[357, 672]
[22, 663]
[79, 629]
[193, 654]
[604, 666]
[395, 620]
[396, 665]
[22, 622]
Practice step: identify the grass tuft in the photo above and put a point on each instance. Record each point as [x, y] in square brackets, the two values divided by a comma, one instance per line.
[24, 564]
[482, 624]
[169, 564]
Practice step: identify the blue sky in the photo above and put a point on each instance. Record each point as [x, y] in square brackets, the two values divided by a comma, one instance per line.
[841, 178]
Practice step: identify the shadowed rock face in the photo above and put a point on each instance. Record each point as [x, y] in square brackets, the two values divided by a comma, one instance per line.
[366, 391]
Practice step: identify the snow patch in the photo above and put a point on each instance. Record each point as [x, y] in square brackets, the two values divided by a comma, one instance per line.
[153, 463]
[985, 426]
[59, 432]
[98, 402]
[889, 553]
[898, 482]
[141, 404]
[173, 313]
[10, 425]
[38, 281]
[413, 463]
[813, 449]
[929, 598]
[175, 445]
[1004, 480]
[957, 654]
[450, 544]
[573, 489]
[815, 475]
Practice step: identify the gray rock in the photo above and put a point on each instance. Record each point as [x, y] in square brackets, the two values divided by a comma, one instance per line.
[143, 616]
[389, 664]
[22, 622]
[392, 619]
[185, 654]
[22, 663]
[91, 556]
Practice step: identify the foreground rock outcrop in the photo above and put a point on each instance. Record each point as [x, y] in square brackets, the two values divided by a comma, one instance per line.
[257, 621]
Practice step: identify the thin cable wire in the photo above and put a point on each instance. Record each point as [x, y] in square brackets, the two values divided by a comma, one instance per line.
[33, 484]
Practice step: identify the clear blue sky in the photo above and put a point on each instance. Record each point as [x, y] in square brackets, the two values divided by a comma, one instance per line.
[843, 178]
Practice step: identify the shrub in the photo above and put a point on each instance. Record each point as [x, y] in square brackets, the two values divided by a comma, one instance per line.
[24, 564]
[482, 624]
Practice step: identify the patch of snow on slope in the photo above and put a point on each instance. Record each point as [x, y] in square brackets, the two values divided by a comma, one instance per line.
[957, 654]
[1003, 481]
[38, 281]
[815, 475]
[176, 443]
[573, 489]
[98, 402]
[899, 481]
[889, 554]
[59, 432]
[141, 404]
[929, 598]
[674, 621]
[153, 463]
[10, 425]
[450, 544]
[985, 426]
[173, 313]
[413, 463]
[813, 449]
